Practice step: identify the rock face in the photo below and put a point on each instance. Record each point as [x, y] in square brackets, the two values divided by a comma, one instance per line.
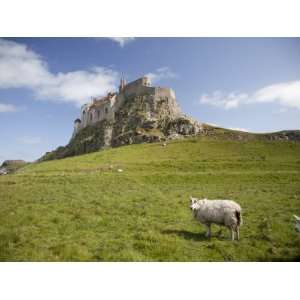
[140, 119]
[10, 166]
[149, 119]
[285, 135]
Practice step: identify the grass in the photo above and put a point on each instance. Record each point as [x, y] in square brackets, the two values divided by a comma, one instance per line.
[82, 209]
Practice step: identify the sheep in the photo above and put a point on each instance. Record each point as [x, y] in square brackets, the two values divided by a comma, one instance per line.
[297, 225]
[222, 212]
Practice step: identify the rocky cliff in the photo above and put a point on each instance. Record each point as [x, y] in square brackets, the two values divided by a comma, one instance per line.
[140, 119]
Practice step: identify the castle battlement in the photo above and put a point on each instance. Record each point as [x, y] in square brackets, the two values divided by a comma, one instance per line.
[104, 108]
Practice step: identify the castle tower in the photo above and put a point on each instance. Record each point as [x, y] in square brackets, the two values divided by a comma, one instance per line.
[77, 124]
[122, 84]
[146, 81]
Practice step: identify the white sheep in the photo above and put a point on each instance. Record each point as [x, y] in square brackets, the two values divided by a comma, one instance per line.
[297, 225]
[222, 212]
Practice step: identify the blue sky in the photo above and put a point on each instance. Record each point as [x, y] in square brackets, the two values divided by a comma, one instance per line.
[250, 84]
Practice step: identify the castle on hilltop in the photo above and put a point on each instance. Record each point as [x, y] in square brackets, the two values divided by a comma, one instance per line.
[137, 113]
[104, 108]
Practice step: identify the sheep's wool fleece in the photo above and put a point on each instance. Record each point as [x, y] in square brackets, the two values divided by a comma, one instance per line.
[217, 211]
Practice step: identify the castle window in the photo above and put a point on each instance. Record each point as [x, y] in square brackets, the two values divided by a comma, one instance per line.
[98, 113]
[106, 110]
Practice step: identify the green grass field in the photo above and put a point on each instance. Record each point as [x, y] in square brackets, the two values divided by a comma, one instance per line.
[82, 209]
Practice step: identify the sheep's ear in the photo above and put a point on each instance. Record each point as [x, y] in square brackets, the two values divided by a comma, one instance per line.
[191, 198]
[297, 218]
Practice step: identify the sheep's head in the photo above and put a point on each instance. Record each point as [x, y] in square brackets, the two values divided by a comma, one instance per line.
[297, 225]
[194, 205]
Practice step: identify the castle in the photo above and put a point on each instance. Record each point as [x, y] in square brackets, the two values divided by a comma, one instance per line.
[137, 113]
[104, 108]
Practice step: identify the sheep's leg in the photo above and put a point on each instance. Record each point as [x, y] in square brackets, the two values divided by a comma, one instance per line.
[238, 232]
[208, 233]
[232, 234]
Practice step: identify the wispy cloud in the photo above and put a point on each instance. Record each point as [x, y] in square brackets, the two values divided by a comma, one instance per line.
[286, 94]
[78, 86]
[29, 140]
[239, 129]
[222, 100]
[161, 73]
[122, 41]
[23, 68]
[7, 108]
[232, 128]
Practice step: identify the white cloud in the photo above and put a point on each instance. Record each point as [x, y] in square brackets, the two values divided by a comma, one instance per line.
[161, 73]
[239, 129]
[220, 99]
[286, 94]
[30, 140]
[22, 68]
[7, 108]
[122, 41]
[79, 86]
[213, 124]
[232, 128]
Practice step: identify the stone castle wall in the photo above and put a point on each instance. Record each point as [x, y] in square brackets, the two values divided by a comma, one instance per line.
[105, 109]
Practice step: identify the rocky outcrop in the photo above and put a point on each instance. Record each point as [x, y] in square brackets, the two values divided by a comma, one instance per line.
[183, 126]
[285, 135]
[223, 133]
[89, 139]
[140, 119]
[10, 166]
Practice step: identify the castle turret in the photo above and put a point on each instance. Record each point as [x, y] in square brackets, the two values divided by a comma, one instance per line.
[122, 85]
[146, 81]
[77, 124]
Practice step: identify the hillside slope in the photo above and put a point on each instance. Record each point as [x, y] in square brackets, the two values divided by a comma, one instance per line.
[84, 209]
[94, 138]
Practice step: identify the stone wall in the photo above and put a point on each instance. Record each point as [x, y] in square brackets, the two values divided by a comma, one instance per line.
[92, 114]
[138, 90]
[159, 98]
[167, 97]
[164, 92]
[84, 114]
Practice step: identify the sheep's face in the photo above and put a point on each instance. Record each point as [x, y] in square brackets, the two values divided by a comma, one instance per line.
[194, 204]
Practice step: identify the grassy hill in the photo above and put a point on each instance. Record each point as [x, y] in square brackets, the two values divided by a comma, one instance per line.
[83, 209]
